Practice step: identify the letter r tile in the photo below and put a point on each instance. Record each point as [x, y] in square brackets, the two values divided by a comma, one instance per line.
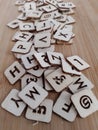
[14, 72]
[13, 104]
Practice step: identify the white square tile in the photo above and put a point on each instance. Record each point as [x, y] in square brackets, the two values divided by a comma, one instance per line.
[55, 24]
[79, 83]
[48, 87]
[55, 57]
[19, 2]
[85, 102]
[78, 62]
[33, 95]
[30, 6]
[23, 36]
[70, 5]
[67, 68]
[59, 80]
[14, 72]
[42, 59]
[70, 20]
[42, 113]
[29, 60]
[49, 8]
[64, 107]
[62, 18]
[34, 14]
[13, 104]
[22, 47]
[47, 16]
[27, 78]
[22, 16]
[14, 24]
[65, 5]
[36, 71]
[63, 35]
[43, 25]
[52, 2]
[26, 26]
[42, 39]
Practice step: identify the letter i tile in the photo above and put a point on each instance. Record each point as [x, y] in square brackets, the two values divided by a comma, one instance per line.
[13, 103]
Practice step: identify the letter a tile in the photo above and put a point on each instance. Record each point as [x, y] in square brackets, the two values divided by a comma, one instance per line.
[14, 72]
[85, 102]
[42, 113]
[64, 107]
[33, 95]
[13, 103]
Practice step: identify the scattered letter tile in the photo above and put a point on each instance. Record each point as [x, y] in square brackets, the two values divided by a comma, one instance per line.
[13, 104]
[42, 113]
[79, 83]
[33, 95]
[22, 47]
[79, 63]
[85, 102]
[64, 107]
[14, 72]
[59, 80]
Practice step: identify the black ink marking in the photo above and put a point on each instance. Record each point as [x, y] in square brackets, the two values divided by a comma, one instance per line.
[13, 71]
[16, 101]
[43, 39]
[78, 61]
[40, 110]
[34, 91]
[85, 102]
[67, 107]
[81, 83]
[60, 79]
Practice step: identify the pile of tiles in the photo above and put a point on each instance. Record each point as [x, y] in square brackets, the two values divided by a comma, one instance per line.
[42, 24]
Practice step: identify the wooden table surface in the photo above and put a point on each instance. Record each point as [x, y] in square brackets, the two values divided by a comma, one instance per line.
[85, 45]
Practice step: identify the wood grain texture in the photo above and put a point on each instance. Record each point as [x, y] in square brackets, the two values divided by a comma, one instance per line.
[85, 45]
